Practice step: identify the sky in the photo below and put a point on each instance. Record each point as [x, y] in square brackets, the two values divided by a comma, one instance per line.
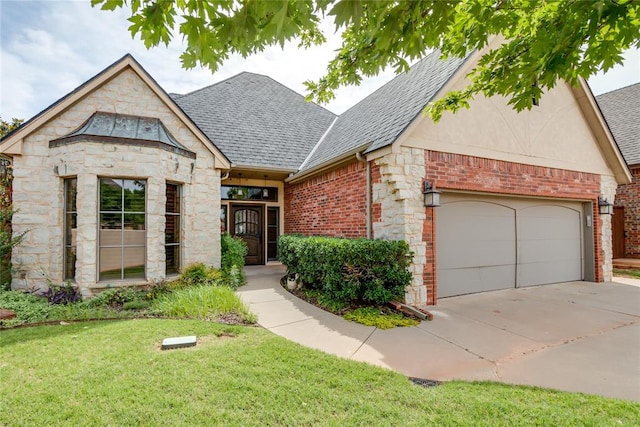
[48, 48]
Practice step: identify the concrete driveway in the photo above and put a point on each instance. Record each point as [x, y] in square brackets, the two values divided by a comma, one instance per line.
[576, 336]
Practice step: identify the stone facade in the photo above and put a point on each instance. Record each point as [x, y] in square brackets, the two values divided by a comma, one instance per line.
[38, 188]
[628, 196]
[399, 213]
[608, 187]
[333, 203]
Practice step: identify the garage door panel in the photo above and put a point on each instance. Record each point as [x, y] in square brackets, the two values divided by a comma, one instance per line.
[493, 243]
[547, 272]
[546, 250]
[462, 281]
[549, 245]
[476, 247]
[465, 253]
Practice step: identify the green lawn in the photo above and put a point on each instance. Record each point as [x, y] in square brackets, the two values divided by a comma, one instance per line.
[113, 373]
[632, 273]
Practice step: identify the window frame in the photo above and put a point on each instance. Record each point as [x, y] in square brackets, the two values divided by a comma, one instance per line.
[68, 275]
[122, 213]
[179, 227]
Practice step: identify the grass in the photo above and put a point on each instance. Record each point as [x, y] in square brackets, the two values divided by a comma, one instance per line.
[203, 302]
[632, 273]
[113, 373]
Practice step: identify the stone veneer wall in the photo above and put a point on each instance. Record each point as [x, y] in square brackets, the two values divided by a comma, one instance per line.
[398, 212]
[333, 203]
[608, 186]
[38, 188]
[629, 196]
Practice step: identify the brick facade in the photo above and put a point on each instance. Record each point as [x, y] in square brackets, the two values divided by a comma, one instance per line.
[467, 173]
[333, 203]
[628, 196]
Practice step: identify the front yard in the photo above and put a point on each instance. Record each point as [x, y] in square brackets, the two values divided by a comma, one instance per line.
[113, 373]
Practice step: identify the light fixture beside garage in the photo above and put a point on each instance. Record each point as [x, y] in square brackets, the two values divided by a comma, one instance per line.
[606, 208]
[431, 195]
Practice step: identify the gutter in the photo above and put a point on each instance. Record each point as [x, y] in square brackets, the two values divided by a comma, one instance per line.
[325, 165]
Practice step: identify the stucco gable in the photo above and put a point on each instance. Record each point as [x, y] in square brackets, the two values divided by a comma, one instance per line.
[125, 73]
[565, 131]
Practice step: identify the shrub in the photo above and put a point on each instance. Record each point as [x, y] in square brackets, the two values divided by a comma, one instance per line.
[373, 316]
[197, 274]
[348, 270]
[233, 250]
[62, 294]
[115, 297]
[194, 274]
[28, 307]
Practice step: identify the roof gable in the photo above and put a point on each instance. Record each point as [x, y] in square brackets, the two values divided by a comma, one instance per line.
[257, 121]
[11, 143]
[621, 110]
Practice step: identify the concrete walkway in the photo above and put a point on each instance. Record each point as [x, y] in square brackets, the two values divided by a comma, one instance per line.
[576, 336]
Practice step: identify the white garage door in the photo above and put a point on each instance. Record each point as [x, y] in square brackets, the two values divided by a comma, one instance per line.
[492, 243]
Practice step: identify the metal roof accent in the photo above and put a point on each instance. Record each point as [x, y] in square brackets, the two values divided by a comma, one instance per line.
[120, 128]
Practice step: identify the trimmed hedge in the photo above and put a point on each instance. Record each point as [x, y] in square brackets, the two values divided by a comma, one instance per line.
[348, 270]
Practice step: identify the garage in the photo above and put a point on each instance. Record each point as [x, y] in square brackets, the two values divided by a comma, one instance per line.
[486, 243]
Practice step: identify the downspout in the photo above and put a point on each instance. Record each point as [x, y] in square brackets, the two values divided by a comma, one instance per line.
[226, 175]
[363, 159]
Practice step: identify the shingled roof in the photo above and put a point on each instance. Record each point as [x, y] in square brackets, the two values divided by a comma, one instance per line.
[621, 110]
[379, 119]
[257, 121]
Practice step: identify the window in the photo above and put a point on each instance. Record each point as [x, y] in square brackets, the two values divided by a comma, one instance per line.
[223, 219]
[172, 229]
[249, 193]
[70, 227]
[273, 230]
[122, 244]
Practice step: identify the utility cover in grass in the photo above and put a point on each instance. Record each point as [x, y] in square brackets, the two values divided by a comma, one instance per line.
[178, 342]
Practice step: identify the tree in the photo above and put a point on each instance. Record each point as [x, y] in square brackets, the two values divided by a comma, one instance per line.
[7, 240]
[546, 41]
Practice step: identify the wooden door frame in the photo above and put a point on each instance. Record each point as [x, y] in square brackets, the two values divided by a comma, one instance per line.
[232, 224]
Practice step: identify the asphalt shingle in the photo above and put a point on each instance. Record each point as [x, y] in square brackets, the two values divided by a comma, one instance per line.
[621, 110]
[257, 121]
[380, 118]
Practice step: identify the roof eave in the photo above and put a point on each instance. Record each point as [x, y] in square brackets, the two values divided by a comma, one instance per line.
[602, 133]
[329, 164]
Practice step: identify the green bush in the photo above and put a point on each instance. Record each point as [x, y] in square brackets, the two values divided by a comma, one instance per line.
[233, 250]
[115, 297]
[348, 270]
[28, 307]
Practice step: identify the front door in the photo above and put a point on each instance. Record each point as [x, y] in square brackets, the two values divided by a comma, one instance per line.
[247, 224]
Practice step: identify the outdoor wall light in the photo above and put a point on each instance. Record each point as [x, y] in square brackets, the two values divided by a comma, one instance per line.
[605, 207]
[431, 195]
